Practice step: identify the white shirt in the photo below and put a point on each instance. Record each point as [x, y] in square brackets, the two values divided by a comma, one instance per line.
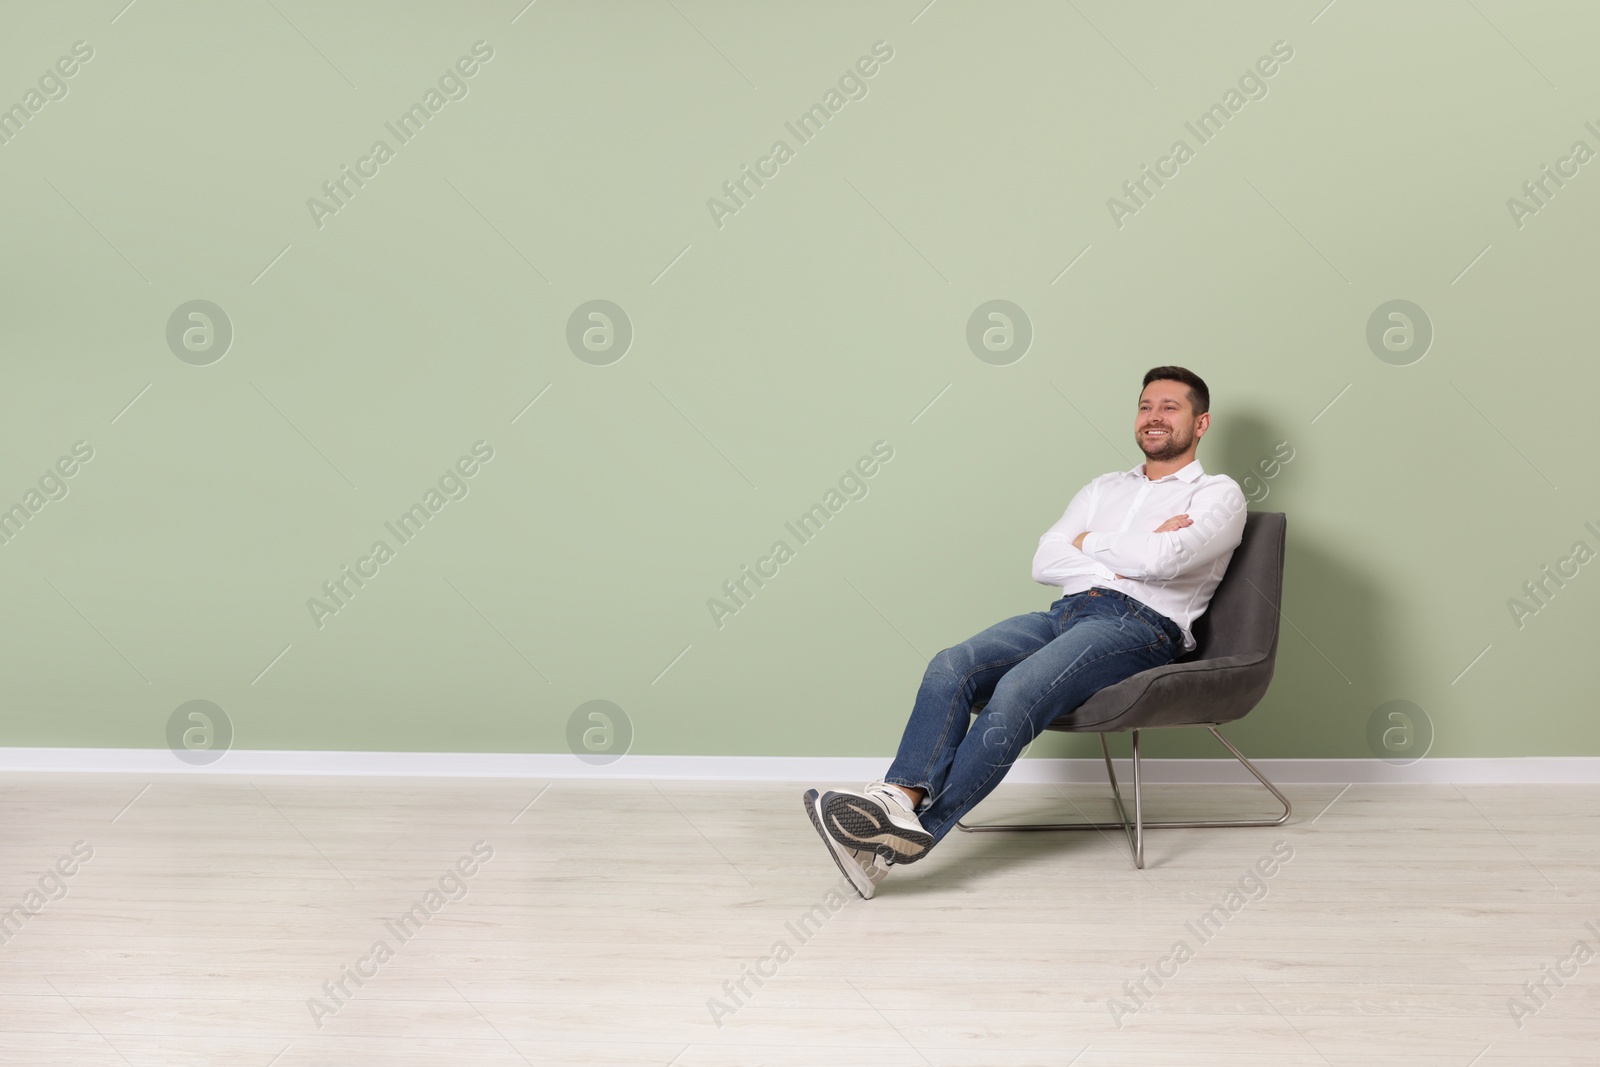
[1174, 572]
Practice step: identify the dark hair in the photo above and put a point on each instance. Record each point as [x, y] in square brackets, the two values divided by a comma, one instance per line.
[1199, 395]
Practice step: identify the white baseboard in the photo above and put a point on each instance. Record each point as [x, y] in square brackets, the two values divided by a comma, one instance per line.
[1506, 770]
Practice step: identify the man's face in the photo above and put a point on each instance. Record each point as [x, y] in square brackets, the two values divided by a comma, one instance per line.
[1165, 426]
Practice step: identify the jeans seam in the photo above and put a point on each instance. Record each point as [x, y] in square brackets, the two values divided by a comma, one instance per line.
[1156, 621]
[1076, 667]
[949, 720]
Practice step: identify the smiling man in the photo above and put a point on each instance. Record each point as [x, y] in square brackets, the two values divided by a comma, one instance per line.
[1137, 555]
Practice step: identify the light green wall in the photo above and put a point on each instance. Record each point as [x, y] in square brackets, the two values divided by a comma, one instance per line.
[824, 316]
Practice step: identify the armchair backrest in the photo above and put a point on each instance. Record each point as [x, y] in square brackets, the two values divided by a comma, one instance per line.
[1242, 618]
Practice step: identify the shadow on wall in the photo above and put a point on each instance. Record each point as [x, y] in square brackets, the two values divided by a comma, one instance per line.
[1333, 651]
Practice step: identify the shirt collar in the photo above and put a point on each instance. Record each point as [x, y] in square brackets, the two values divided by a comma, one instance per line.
[1192, 471]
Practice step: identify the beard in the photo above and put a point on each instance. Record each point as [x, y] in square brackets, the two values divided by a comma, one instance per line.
[1175, 444]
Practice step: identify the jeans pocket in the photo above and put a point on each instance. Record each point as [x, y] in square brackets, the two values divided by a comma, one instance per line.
[1175, 636]
[1162, 625]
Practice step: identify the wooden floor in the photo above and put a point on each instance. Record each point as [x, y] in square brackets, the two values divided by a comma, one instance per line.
[613, 922]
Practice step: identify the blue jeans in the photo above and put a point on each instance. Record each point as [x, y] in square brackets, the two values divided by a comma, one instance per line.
[1033, 669]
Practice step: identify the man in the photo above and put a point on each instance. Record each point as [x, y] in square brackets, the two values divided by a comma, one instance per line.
[1137, 555]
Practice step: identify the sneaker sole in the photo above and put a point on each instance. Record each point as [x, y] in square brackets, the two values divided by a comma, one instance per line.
[860, 824]
[847, 868]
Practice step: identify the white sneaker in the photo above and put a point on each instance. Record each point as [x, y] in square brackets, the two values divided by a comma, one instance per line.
[880, 819]
[861, 867]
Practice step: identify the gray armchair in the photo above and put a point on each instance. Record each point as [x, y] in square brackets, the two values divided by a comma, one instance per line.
[1220, 680]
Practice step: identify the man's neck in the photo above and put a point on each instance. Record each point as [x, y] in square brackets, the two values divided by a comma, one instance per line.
[1154, 469]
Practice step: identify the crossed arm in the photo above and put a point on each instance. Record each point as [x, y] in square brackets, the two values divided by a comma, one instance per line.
[1181, 543]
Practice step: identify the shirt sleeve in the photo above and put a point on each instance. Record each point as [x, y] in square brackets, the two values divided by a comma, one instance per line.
[1056, 558]
[1216, 515]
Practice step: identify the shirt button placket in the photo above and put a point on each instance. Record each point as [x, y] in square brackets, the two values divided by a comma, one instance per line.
[1133, 508]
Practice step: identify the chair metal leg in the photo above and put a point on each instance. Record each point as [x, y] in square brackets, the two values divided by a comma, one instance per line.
[1138, 807]
[1136, 834]
[1135, 828]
